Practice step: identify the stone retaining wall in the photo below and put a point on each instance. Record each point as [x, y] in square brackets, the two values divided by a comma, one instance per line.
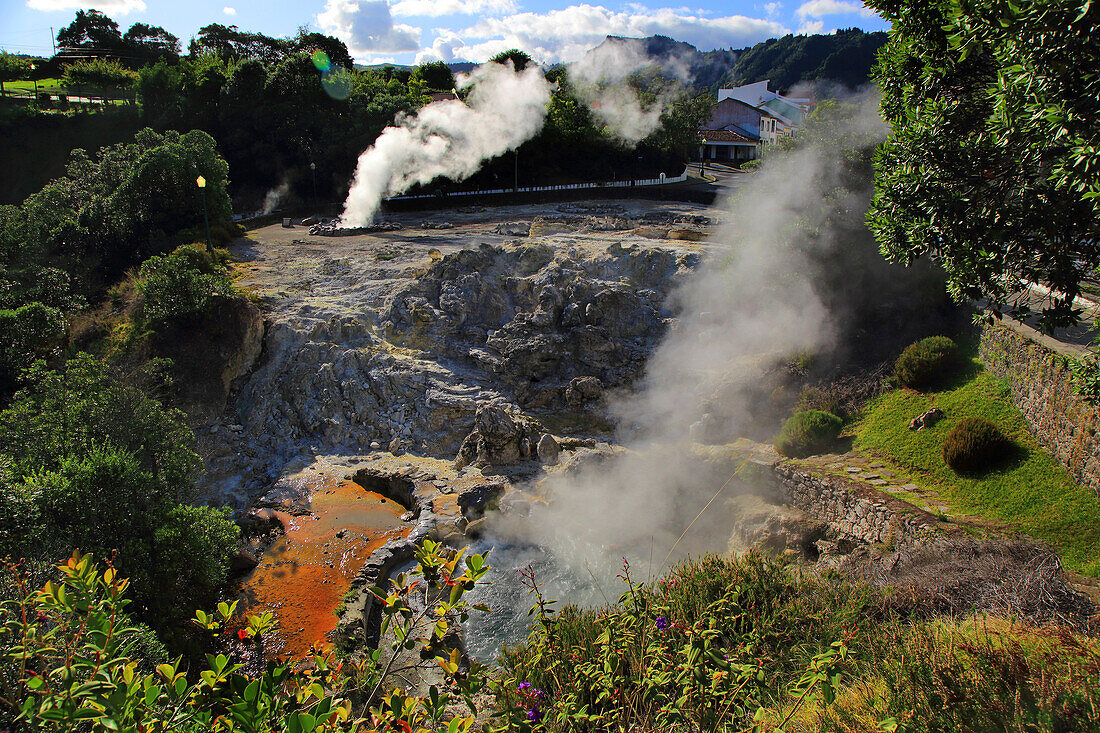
[854, 510]
[1040, 379]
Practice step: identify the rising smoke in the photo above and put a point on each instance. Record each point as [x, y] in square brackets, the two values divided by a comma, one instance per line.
[762, 294]
[274, 197]
[504, 109]
[602, 82]
[450, 138]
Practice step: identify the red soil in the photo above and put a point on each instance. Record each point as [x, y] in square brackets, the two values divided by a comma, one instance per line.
[303, 577]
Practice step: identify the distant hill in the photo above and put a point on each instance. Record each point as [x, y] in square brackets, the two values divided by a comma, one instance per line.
[707, 68]
[844, 57]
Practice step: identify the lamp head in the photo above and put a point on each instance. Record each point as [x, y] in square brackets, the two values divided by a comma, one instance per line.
[313, 166]
[201, 182]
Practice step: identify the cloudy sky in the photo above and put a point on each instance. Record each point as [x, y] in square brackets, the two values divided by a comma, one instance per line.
[410, 31]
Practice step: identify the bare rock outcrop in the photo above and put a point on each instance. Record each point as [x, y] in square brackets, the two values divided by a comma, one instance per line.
[535, 317]
[501, 435]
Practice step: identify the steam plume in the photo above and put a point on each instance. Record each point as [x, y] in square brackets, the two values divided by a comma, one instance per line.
[273, 197]
[601, 81]
[761, 295]
[450, 138]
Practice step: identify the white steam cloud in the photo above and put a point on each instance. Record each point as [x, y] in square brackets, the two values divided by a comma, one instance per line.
[450, 138]
[759, 297]
[601, 82]
[504, 109]
[274, 197]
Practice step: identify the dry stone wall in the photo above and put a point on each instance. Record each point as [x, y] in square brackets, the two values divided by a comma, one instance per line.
[854, 510]
[1037, 372]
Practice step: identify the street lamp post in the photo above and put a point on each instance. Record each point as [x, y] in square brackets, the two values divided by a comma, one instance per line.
[205, 218]
[313, 172]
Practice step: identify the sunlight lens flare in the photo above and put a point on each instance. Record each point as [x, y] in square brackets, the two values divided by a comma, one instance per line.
[321, 61]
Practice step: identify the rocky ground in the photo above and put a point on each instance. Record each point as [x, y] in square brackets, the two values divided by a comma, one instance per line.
[391, 340]
[450, 361]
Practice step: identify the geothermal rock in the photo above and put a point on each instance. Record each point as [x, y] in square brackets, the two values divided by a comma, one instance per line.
[501, 435]
[535, 317]
[926, 419]
[582, 390]
[548, 449]
[513, 229]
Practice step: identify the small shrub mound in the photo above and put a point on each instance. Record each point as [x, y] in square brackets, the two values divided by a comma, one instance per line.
[183, 283]
[974, 445]
[808, 432]
[927, 363]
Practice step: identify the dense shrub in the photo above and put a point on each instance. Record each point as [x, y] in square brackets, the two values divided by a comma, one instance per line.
[181, 284]
[927, 363]
[97, 464]
[974, 445]
[807, 432]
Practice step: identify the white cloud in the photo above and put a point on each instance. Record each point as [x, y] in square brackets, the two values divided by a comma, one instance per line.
[436, 8]
[772, 8]
[367, 27]
[810, 27]
[820, 8]
[564, 35]
[229, 11]
[110, 7]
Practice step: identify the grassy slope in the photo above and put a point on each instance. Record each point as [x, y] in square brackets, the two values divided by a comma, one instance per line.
[1033, 492]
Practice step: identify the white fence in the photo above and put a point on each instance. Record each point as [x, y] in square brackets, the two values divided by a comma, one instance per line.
[660, 181]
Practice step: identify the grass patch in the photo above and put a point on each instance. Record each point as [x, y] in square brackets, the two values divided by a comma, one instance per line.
[1033, 492]
[44, 85]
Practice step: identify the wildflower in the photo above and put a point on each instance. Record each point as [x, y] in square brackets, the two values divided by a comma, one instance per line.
[661, 622]
[524, 685]
[242, 634]
[534, 715]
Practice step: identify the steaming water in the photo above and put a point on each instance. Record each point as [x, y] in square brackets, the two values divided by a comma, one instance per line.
[508, 599]
[589, 583]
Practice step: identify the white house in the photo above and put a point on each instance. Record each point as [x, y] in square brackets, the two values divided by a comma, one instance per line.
[790, 112]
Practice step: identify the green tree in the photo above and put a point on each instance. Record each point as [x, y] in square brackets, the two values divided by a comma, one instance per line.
[151, 42]
[13, 68]
[334, 48]
[435, 75]
[993, 165]
[520, 59]
[91, 33]
[102, 73]
[106, 468]
[85, 405]
[160, 93]
[176, 286]
[132, 201]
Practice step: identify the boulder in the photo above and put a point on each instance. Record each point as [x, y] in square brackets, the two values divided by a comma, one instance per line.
[548, 449]
[244, 561]
[501, 435]
[926, 419]
[582, 390]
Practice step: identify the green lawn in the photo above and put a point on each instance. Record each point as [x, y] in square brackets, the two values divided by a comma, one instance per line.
[44, 85]
[1032, 492]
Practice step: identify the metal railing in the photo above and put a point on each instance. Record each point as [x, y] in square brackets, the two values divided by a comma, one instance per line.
[659, 181]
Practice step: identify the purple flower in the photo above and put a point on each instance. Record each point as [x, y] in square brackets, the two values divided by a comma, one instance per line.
[524, 685]
[534, 715]
[661, 622]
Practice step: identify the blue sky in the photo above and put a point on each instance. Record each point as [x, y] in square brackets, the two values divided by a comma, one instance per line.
[410, 31]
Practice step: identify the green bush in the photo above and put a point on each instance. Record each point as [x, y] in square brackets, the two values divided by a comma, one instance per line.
[974, 445]
[927, 363]
[181, 284]
[807, 432]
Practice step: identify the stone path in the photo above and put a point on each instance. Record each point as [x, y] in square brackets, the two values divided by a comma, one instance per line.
[882, 477]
